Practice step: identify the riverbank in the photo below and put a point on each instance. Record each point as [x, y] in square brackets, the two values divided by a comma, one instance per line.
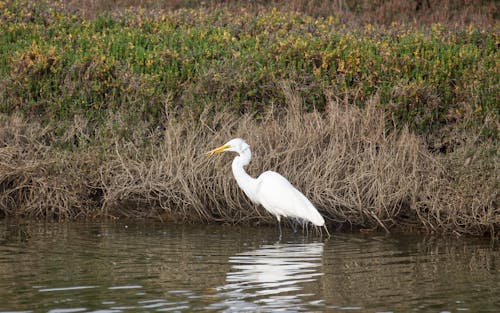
[381, 127]
[344, 160]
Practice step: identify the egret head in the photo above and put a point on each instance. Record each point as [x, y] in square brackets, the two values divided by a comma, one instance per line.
[237, 145]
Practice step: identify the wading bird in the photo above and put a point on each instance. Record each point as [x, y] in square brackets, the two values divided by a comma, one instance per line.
[273, 191]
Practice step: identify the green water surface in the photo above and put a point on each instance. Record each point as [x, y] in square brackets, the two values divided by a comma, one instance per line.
[153, 267]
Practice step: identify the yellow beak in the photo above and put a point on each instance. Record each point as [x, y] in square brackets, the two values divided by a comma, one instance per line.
[218, 150]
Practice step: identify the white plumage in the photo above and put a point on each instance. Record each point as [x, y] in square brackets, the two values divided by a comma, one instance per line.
[273, 191]
[281, 198]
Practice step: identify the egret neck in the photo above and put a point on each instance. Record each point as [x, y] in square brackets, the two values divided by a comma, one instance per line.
[247, 183]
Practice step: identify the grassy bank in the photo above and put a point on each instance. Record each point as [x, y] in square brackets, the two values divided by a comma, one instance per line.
[56, 64]
[344, 160]
[381, 126]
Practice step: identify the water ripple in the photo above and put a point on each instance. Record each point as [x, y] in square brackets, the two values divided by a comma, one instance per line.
[66, 288]
[115, 268]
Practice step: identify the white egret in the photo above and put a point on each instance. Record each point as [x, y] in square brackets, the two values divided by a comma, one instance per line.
[273, 191]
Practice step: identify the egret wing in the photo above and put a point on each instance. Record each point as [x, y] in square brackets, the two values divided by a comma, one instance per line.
[281, 198]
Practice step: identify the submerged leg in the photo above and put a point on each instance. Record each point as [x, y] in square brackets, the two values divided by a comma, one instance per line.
[279, 227]
[324, 226]
[293, 223]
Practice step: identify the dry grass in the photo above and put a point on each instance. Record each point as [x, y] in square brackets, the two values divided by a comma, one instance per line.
[37, 182]
[343, 159]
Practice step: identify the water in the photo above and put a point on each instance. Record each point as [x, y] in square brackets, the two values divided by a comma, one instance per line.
[152, 267]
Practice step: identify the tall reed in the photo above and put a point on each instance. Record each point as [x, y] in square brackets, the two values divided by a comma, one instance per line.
[354, 170]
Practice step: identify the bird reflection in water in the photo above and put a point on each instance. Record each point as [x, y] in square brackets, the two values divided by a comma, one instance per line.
[271, 278]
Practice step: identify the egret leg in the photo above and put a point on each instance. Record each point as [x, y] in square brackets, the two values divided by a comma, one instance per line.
[279, 227]
[294, 226]
[326, 228]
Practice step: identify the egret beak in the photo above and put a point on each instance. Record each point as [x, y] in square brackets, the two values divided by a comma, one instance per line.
[218, 150]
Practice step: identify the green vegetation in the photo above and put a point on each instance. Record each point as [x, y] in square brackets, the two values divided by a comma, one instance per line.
[107, 89]
[57, 64]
